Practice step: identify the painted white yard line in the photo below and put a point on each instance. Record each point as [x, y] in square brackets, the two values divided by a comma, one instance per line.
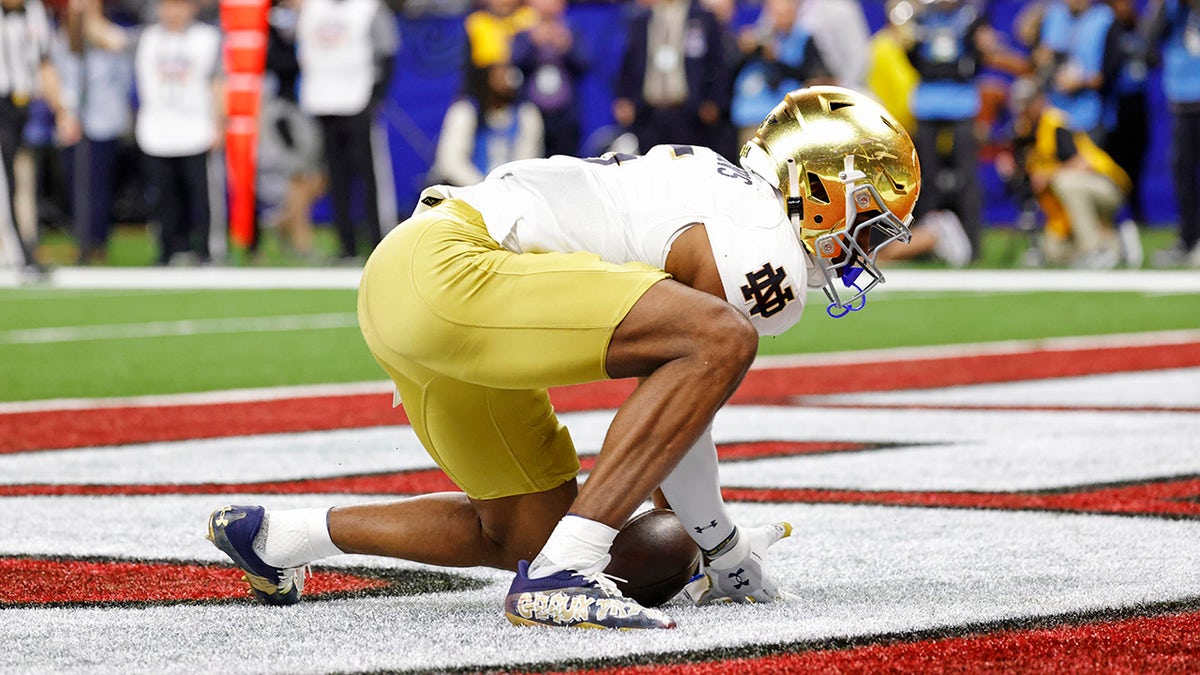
[39, 294]
[256, 324]
[139, 278]
[866, 356]
[1144, 281]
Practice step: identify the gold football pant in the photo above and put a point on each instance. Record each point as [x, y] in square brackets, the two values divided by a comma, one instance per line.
[472, 334]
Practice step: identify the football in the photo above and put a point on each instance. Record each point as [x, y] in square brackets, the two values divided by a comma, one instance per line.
[655, 556]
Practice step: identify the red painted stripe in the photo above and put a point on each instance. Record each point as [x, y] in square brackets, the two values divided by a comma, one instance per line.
[1170, 497]
[405, 482]
[48, 581]
[1157, 644]
[1178, 497]
[1001, 407]
[954, 371]
[735, 451]
[57, 429]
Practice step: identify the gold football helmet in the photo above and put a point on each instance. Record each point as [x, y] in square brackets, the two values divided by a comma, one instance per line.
[850, 177]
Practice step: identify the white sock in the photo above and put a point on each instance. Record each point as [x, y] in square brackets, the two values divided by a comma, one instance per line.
[575, 544]
[694, 490]
[295, 537]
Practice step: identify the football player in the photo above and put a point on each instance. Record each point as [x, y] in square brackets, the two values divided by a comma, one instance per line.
[666, 267]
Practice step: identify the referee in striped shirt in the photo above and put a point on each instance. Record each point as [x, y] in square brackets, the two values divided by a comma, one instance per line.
[25, 72]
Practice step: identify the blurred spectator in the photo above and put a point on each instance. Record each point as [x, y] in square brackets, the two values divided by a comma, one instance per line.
[725, 137]
[891, 76]
[950, 42]
[1129, 139]
[1027, 28]
[433, 7]
[25, 71]
[1078, 186]
[289, 150]
[42, 198]
[177, 70]
[479, 135]
[552, 58]
[939, 234]
[1176, 23]
[946, 54]
[673, 83]
[840, 30]
[347, 52]
[490, 31]
[106, 117]
[1083, 41]
[780, 56]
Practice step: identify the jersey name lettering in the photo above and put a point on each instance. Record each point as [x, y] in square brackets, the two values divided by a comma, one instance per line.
[727, 169]
[766, 288]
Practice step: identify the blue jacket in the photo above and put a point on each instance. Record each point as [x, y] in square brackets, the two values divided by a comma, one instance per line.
[761, 84]
[1181, 55]
[947, 59]
[1082, 41]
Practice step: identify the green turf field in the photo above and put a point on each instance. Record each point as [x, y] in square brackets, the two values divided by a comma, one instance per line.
[131, 246]
[119, 343]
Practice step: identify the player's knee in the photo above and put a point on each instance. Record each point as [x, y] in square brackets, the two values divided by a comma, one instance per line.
[730, 341]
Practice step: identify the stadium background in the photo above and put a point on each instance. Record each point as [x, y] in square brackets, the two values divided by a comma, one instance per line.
[105, 497]
[430, 64]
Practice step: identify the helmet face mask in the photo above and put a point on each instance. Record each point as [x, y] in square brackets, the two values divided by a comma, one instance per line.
[849, 176]
[844, 255]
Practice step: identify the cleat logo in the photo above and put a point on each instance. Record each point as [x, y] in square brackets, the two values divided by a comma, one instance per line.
[619, 609]
[222, 518]
[737, 578]
[558, 608]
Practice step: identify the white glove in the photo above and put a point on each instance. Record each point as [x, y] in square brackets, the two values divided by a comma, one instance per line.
[740, 574]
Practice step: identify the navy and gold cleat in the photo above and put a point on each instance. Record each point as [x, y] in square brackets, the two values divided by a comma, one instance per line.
[572, 600]
[232, 529]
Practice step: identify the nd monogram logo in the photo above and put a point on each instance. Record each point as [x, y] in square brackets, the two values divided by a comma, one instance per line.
[766, 288]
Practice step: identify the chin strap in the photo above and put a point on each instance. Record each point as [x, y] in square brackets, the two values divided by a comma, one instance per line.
[795, 203]
[849, 279]
[836, 312]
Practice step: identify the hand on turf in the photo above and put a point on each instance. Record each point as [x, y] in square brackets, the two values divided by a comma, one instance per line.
[740, 575]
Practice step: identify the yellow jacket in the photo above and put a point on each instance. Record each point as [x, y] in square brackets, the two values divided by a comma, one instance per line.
[1043, 159]
[491, 36]
[891, 76]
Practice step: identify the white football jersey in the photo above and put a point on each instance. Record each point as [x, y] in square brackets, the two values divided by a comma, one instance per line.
[628, 208]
